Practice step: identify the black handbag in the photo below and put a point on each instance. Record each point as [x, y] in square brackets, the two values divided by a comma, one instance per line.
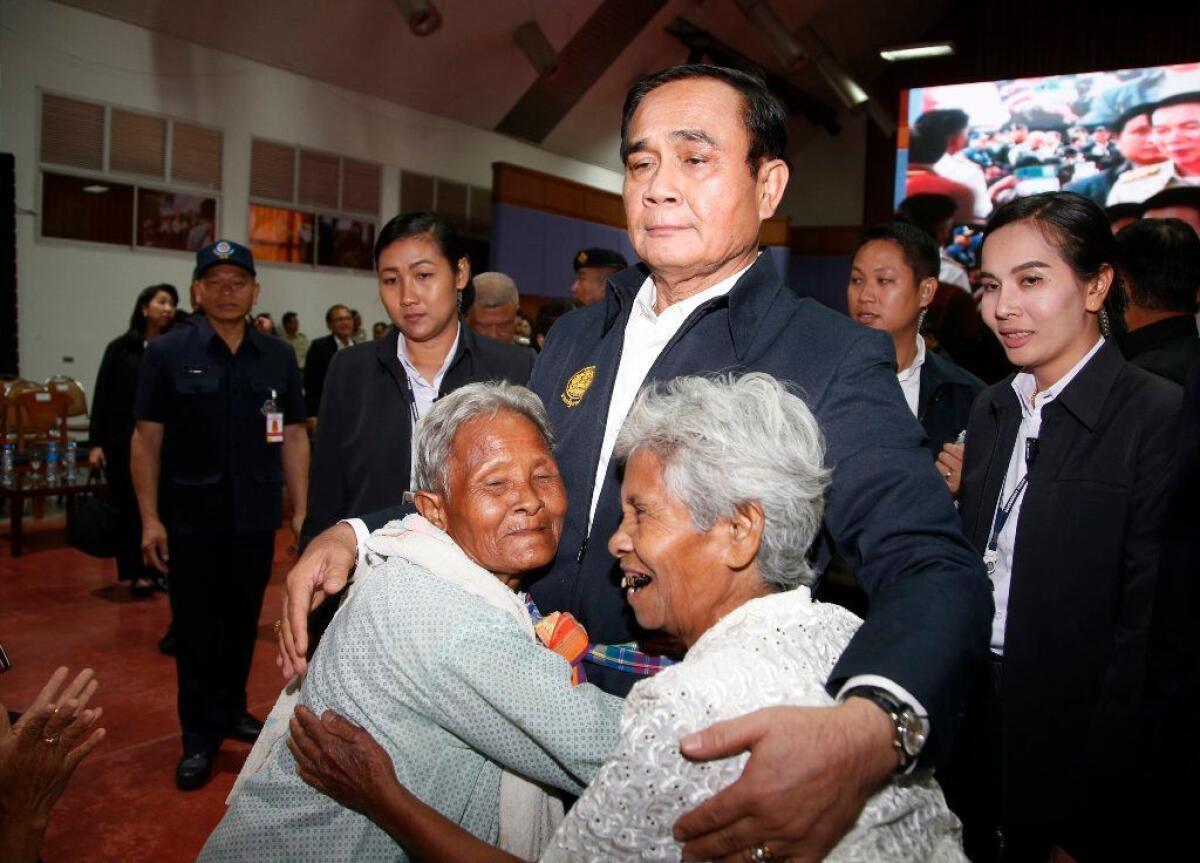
[94, 524]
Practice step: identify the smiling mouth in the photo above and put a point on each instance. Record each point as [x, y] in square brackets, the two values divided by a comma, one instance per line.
[634, 581]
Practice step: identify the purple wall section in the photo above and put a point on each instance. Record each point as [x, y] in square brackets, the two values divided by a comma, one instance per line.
[537, 249]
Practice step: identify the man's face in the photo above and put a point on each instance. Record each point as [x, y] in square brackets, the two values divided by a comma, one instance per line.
[691, 203]
[1185, 214]
[499, 323]
[291, 326]
[589, 283]
[1177, 134]
[1137, 144]
[341, 323]
[227, 293]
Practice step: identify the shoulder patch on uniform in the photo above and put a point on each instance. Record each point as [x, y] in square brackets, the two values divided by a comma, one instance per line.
[577, 386]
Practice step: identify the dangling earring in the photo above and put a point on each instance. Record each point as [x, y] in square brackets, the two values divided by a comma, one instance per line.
[1105, 326]
[921, 320]
[458, 299]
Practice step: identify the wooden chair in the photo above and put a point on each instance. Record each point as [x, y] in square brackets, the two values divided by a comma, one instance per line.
[77, 405]
[9, 390]
[40, 417]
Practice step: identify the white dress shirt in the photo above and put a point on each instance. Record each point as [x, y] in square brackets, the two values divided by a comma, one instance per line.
[910, 378]
[646, 334]
[424, 392]
[960, 169]
[1032, 403]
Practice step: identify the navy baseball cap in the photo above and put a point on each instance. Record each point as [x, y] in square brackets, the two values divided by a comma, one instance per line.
[599, 258]
[223, 252]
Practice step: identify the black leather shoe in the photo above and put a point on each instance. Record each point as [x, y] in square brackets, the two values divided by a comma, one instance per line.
[166, 644]
[193, 771]
[245, 728]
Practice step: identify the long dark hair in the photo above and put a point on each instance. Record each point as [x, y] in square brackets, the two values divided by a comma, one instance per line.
[137, 320]
[418, 224]
[1079, 229]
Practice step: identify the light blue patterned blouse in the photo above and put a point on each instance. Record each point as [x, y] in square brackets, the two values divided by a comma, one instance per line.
[450, 687]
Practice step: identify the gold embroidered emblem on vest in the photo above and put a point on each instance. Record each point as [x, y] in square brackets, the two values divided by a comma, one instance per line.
[578, 385]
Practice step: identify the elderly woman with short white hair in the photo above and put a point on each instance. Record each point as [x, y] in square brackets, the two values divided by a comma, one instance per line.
[721, 498]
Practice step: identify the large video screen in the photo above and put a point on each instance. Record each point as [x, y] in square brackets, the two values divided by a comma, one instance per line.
[1117, 137]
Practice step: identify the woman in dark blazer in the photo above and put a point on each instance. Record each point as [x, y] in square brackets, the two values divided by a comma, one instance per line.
[112, 424]
[375, 391]
[892, 281]
[1066, 467]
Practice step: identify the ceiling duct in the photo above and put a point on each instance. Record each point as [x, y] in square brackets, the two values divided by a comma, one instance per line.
[536, 48]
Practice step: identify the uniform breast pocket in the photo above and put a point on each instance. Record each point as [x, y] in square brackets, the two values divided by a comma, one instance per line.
[254, 396]
[196, 396]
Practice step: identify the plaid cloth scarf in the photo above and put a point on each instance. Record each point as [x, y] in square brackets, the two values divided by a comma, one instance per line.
[563, 634]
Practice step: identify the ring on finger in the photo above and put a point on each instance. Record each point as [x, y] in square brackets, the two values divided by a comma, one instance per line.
[50, 741]
[277, 625]
[760, 854]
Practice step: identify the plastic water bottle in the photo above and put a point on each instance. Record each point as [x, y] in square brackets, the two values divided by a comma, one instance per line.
[69, 468]
[52, 463]
[7, 461]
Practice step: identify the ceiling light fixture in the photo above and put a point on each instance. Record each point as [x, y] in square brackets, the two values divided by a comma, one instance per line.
[918, 52]
[422, 16]
[95, 189]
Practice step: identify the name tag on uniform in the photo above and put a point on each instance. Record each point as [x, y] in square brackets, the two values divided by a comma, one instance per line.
[274, 420]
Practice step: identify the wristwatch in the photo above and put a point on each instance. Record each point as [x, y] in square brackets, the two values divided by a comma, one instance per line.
[910, 731]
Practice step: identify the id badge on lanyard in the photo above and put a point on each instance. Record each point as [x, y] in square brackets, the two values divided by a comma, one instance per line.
[274, 417]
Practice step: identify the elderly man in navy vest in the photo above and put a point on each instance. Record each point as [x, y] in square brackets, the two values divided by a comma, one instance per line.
[703, 150]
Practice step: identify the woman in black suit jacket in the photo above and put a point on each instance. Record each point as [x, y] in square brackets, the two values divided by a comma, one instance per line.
[1063, 489]
[362, 455]
[112, 424]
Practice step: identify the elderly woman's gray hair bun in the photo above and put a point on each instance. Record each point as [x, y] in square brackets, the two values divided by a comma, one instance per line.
[729, 440]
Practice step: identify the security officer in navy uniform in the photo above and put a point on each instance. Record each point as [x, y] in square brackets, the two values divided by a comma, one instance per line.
[220, 428]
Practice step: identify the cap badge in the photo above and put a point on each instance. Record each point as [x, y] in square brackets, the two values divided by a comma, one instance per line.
[581, 259]
[223, 249]
[578, 385]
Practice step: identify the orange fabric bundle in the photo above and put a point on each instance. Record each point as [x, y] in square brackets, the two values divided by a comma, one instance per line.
[563, 634]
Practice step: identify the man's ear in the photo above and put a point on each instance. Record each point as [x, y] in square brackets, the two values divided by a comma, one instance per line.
[432, 506]
[745, 528]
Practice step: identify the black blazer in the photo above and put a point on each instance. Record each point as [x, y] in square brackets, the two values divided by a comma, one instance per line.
[1084, 573]
[316, 367]
[362, 453]
[111, 424]
[944, 400]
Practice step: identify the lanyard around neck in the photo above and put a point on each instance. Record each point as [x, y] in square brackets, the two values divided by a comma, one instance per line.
[1008, 504]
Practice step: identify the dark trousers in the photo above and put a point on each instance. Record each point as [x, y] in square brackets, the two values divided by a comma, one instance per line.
[972, 781]
[216, 588]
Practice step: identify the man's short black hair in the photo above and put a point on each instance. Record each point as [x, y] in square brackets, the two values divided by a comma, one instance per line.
[1117, 212]
[927, 211]
[921, 252]
[1176, 196]
[932, 132]
[762, 115]
[1161, 262]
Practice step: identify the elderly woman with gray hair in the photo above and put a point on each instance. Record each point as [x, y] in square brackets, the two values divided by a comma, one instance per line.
[434, 655]
[722, 496]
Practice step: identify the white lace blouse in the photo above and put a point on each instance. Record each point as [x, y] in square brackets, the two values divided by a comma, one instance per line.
[775, 650]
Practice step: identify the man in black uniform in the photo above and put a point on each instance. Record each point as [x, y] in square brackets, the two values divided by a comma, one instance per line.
[220, 427]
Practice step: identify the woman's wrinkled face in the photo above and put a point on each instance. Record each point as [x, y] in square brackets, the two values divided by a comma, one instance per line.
[419, 287]
[160, 311]
[505, 502]
[673, 574]
[883, 293]
[1045, 318]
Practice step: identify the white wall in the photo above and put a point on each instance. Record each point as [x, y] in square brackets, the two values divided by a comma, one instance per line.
[74, 297]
